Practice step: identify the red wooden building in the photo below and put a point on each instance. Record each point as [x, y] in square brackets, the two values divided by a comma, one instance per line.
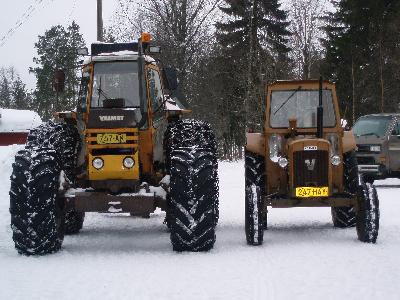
[15, 125]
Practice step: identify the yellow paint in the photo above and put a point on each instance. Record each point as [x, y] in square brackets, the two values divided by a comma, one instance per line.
[113, 168]
[146, 151]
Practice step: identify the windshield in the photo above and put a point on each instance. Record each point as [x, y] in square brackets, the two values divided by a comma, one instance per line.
[372, 125]
[301, 105]
[116, 80]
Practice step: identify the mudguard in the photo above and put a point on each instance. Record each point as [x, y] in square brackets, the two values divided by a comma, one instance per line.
[255, 142]
[349, 141]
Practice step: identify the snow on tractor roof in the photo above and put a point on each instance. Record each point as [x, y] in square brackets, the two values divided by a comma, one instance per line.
[117, 56]
[13, 120]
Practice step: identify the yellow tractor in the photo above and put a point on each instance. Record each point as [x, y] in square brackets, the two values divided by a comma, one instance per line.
[125, 149]
[304, 158]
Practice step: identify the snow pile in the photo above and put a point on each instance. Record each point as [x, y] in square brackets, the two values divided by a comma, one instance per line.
[13, 120]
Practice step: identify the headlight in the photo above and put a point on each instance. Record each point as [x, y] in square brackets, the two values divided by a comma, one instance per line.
[335, 160]
[98, 163]
[283, 162]
[275, 147]
[375, 148]
[128, 162]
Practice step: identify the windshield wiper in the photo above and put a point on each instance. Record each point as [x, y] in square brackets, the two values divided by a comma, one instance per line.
[100, 92]
[286, 101]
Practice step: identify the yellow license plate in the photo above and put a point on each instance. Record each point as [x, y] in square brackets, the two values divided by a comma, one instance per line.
[310, 192]
[111, 138]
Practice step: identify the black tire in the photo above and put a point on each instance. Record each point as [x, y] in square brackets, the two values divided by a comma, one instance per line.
[345, 216]
[37, 214]
[190, 133]
[367, 214]
[193, 198]
[73, 221]
[255, 217]
[63, 138]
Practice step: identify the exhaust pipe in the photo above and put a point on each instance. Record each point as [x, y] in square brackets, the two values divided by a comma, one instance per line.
[320, 112]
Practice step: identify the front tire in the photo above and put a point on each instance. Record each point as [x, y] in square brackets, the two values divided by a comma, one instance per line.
[367, 214]
[345, 216]
[255, 218]
[193, 198]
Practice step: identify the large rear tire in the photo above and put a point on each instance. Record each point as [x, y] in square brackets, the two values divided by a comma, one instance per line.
[37, 214]
[193, 199]
[255, 218]
[345, 216]
[37, 211]
[367, 214]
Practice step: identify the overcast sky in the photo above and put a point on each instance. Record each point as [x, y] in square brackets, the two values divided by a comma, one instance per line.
[18, 49]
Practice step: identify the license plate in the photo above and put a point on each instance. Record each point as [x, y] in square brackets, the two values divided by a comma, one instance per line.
[111, 138]
[310, 192]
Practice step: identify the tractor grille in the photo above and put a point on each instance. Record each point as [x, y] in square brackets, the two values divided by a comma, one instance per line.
[310, 168]
[111, 141]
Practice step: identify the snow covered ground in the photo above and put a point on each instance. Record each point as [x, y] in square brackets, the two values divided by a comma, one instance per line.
[120, 257]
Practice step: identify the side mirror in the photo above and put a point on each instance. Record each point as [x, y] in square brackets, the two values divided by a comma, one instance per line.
[82, 51]
[59, 81]
[170, 78]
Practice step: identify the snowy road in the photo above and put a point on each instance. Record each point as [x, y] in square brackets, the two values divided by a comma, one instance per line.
[120, 257]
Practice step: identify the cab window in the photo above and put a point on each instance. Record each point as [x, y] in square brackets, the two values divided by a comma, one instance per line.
[116, 80]
[83, 91]
[155, 93]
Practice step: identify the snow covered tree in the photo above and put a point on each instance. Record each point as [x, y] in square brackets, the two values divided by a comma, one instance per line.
[181, 27]
[306, 29]
[13, 92]
[21, 98]
[56, 50]
[5, 93]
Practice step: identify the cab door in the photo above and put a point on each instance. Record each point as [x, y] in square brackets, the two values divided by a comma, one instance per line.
[159, 122]
[394, 147]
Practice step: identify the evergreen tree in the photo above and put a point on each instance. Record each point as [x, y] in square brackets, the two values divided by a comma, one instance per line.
[5, 93]
[13, 93]
[361, 55]
[254, 51]
[56, 50]
[20, 95]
